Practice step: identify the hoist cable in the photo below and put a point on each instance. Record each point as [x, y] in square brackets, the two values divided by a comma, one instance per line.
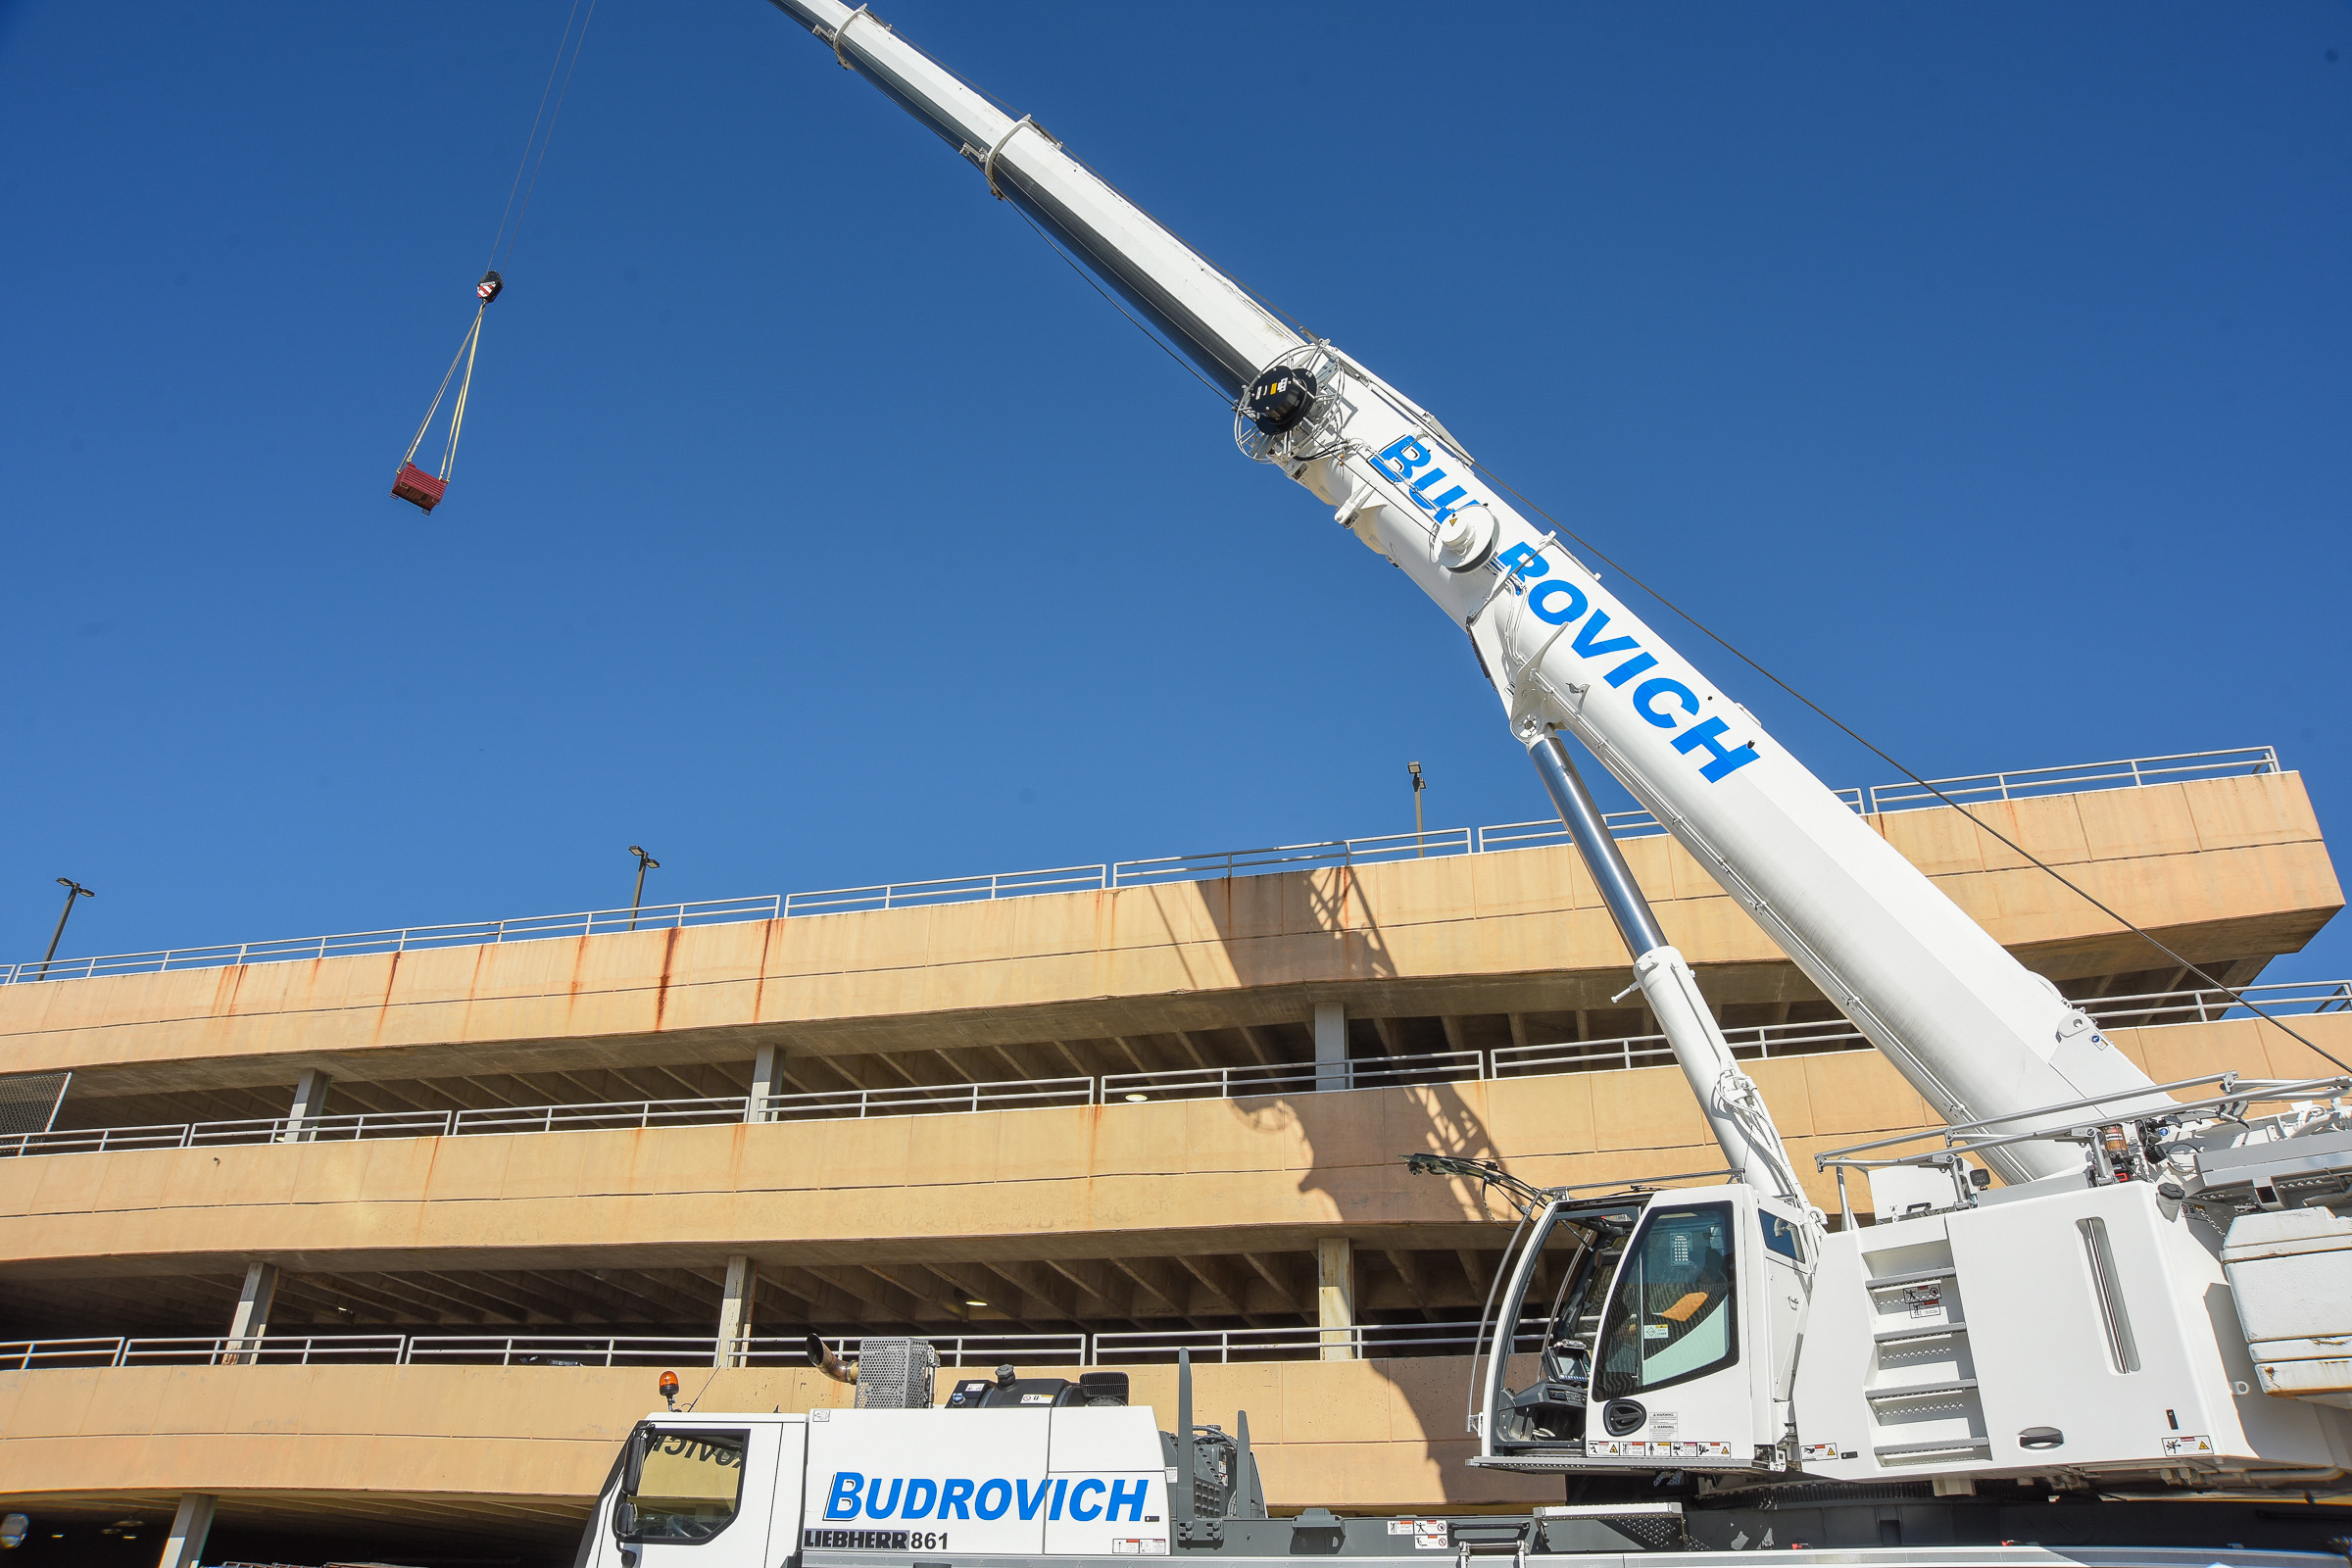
[568, 39]
[2234, 994]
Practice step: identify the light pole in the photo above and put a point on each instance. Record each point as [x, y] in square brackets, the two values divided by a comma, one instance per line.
[74, 890]
[645, 864]
[1414, 768]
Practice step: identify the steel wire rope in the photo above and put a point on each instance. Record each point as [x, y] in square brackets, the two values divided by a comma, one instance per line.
[496, 261]
[2233, 993]
[469, 345]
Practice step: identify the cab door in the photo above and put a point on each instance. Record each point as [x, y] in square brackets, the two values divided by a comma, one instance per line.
[696, 1495]
[1682, 1367]
[1787, 1288]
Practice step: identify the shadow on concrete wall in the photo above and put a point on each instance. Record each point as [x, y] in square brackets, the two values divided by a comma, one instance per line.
[1363, 1190]
[1276, 932]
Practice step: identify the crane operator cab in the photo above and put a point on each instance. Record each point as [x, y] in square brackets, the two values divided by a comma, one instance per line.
[1663, 1328]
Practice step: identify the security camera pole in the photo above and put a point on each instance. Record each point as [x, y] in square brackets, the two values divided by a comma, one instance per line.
[74, 890]
[1414, 768]
[645, 864]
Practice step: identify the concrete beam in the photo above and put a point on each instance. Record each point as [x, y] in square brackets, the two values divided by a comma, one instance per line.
[735, 1309]
[183, 1548]
[251, 1320]
[763, 1084]
[1335, 1296]
[1331, 1045]
[310, 1104]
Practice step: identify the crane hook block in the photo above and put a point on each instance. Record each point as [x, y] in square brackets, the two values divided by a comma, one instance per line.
[488, 288]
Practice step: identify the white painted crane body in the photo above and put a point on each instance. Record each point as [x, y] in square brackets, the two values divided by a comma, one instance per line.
[2062, 1329]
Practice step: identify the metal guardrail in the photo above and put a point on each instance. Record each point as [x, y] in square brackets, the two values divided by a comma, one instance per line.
[2160, 1008]
[1323, 855]
[1286, 1077]
[319, 1349]
[954, 1350]
[462, 934]
[930, 1100]
[950, 889]
[2126, 773]
[2130, 772]
[1364, 1341]
[1763, 1042]
[560, 1349]
[33, 1356]
[1108, 1348]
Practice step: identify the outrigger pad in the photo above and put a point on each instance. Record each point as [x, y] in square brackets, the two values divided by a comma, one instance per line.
[424, 490]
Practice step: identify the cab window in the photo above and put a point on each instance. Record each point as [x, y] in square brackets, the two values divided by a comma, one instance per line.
[1671, 1316]
[1780, 1235]
[680, 1484]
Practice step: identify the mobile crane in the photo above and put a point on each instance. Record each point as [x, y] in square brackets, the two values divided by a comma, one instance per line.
[2156, 1300]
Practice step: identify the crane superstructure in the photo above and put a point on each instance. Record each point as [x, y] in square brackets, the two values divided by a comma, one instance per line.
[2058, 1324]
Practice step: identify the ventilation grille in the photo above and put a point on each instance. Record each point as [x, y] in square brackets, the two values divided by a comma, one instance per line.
[895, 1374]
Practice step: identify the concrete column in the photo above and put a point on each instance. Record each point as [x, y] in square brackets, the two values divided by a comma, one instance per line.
[183, 1548]
[735, 1307]
[310, 1104]
[763, 1083]
[251, 1320]
[1331, 1045]
[1335, 1295]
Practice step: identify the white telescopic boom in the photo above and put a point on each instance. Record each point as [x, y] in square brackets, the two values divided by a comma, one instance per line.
[1971, 1028]
[1202, 312]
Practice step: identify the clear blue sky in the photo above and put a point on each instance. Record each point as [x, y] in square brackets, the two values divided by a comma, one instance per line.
[1986, 369]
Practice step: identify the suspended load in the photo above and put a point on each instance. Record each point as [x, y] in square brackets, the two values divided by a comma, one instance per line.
[415, 486]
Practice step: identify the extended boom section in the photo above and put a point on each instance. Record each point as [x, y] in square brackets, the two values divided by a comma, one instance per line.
[1224, 331]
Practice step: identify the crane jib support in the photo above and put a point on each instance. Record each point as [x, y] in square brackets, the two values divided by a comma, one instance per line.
[1581, 816]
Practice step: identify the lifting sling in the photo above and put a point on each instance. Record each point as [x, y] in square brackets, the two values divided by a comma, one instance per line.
[415, 486]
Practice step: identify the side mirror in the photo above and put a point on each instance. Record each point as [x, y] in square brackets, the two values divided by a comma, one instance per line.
[632, 1469]
[625, 1518]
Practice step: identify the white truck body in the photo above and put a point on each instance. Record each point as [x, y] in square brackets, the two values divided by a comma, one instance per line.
[1018, 1489]
[736, 1491]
